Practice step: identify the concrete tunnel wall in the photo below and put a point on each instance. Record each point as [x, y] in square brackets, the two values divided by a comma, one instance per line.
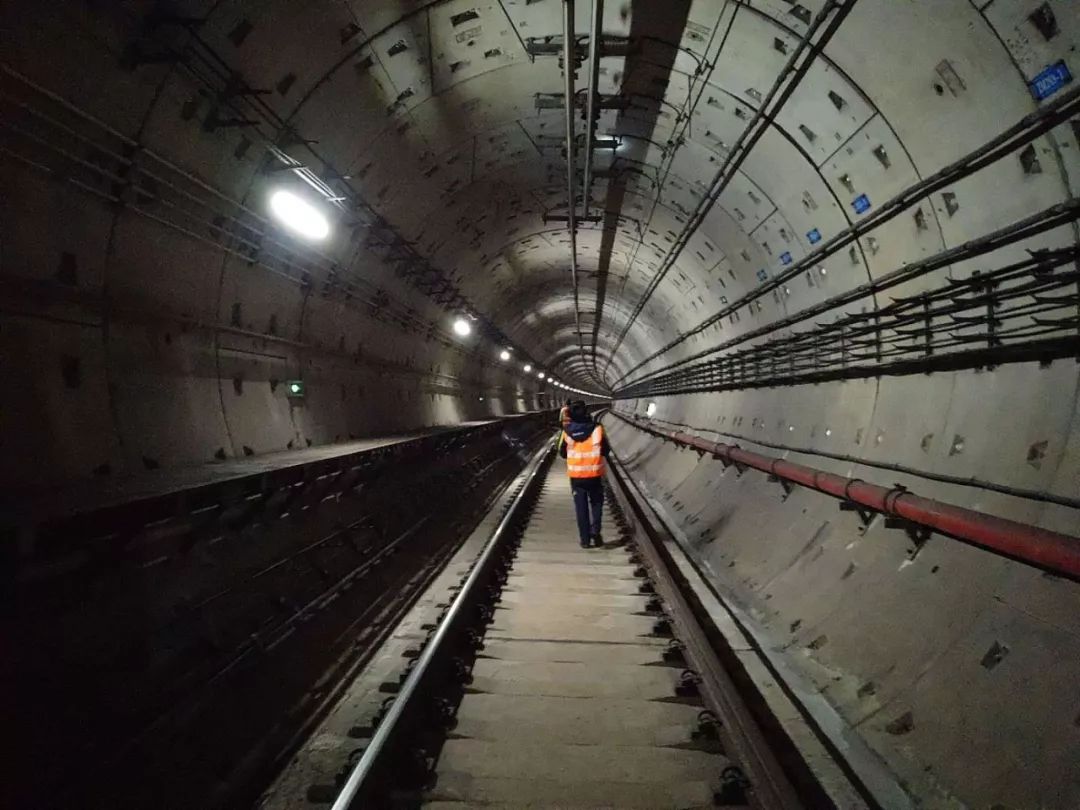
[134, 337]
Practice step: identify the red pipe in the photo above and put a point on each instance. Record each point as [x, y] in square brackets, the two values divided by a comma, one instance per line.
[1059, 553]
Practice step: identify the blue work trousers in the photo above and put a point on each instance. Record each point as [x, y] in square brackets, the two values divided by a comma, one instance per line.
[589, 505]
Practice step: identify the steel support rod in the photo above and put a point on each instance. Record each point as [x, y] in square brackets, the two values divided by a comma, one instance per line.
[791, 75]
[571, 200]
[591, 110]
[1042, 548]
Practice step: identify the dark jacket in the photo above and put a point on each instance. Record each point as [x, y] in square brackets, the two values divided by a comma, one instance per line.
[579, 431]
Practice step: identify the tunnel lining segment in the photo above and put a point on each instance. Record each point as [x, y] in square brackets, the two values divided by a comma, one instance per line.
[1020, 134]
[833, 12]
[371, 767]
[1013, 314]
[211, 69]
[1041, 548]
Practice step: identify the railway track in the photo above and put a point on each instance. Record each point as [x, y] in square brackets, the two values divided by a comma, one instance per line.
[549, 676]
[171, 649]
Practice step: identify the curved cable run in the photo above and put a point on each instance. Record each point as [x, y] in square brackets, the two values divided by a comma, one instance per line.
[571, 163]
[248, 108]
[976, 318]
[787, 82]
[1023, 132]
[591, 114]
[684, 116]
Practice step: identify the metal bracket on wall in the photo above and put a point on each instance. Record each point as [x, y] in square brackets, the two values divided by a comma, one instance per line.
[135, 57]
[866, 516]
[726, 462]
[785, 485]
[916, 533]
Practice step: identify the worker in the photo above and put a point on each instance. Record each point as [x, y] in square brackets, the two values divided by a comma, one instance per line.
[564, 415]
[585, 446]
[564, 420]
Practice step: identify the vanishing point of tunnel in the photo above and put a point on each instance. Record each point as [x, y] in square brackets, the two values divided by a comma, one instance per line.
[328, 329]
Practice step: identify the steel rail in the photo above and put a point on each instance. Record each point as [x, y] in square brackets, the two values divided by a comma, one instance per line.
[1041, 548]
[740, 734]
[365, 774]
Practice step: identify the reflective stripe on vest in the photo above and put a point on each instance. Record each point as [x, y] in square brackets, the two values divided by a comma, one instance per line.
[583, 459]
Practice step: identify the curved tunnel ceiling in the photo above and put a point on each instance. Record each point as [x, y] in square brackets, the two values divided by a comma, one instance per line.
[840, 231]
[435, 134]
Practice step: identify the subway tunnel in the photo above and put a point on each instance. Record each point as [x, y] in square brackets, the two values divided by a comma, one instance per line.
[278, 271]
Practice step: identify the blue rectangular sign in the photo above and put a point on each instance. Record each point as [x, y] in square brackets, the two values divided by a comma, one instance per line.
[762, 275]
[785, 258]
[1050, 80]
[861, 204]
[814, 236]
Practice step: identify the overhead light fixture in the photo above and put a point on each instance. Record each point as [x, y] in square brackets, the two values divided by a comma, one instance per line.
[540, 374]
[298, 215]
[504, 355]
[528, 368]
[462, 327]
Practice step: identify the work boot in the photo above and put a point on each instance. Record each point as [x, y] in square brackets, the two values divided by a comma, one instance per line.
[597, 541]
[585, 544]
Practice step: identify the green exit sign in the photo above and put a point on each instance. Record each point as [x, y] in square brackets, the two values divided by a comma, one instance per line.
[295, 388]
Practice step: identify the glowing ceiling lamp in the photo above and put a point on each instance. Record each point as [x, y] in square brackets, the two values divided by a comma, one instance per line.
[528, 368]
[540, 374]
[298, 215]
[462, 327]
[504, 355]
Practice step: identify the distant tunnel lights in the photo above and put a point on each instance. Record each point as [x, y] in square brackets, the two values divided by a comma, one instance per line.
[528, 368]
[298, 215]
[504, 355]
[540, 374]
[462, 327]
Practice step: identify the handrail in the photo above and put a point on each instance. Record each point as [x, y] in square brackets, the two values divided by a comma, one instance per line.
[1032, 545]
[360, 778]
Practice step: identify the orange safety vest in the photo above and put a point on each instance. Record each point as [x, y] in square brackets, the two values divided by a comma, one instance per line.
[583, 459]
